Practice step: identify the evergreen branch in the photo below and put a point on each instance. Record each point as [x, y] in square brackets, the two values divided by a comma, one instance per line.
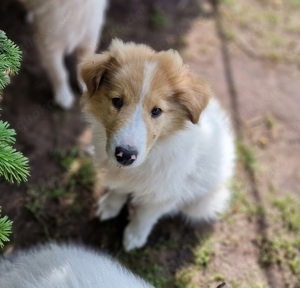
[11, 53]
[7, 136]
[10, 57]
[13, 165]
[5, 230]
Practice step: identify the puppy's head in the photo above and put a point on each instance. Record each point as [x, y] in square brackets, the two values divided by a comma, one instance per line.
[140, 96]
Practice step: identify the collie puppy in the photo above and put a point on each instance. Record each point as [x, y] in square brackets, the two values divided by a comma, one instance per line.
[65, 266]
[61, 28]
[159, 135]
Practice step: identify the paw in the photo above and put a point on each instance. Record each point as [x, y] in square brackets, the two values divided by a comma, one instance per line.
[107, 209]
[64, 98]
[133, 238]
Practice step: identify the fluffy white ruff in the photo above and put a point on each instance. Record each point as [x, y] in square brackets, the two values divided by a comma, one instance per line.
[65, 266]
[186, 172]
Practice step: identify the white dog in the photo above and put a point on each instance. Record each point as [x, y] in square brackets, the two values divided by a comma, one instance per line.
[159, 136]
[62, 27]
[65, 266]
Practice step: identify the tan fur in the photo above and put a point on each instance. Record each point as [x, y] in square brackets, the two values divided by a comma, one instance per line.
[180, 94]
[167, 164]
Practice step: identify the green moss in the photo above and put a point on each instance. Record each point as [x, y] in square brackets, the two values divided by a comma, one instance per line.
[159, 19]
[293, 4]
[218, 277]
[203, 253]
[57, 192]
[36, 199]
[293, 28]
[282, 252]
[65, 158]
[290, 212]
[85, 176]
[258, 285]
[275, 55]
[242, 203]
[140, 261]
[156, 274]
[228, 2]
[272, 18]
[184, 278]
[246, 155]
[78, 169]
[270, 121]
[229, 35]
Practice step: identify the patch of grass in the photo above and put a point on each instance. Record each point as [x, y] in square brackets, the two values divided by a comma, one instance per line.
[282, 252]
[272, 18]
[246, 155]
[85, 175]
[36, 202]
[82, 174]
[270, 121]
[79, 169]
[204, 253]
[39, 196]
[264, 27]
[272, 188]
[275, 55]
[293, 28]
[294, 265]
[218, 277]
[258, 285]
[36, 199]
[290, 212]
[276, 40]
[184, 278]
[242, 203]
[269, 252]
[235, 285]
[229, 35]
[294, 4]
[158, 18]
[228, 2]
[182, 41]
[140, 262]
[65, 159]
[57, 193]
[156, 275]
[283, 245]
[57, 201]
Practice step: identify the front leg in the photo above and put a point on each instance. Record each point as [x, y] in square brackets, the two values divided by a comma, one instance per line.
[142, 222]
[110, 204]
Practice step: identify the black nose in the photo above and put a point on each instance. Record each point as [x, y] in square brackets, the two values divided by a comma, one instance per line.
[124, 156]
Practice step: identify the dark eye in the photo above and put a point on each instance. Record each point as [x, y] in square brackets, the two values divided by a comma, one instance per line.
[117, 102]
[156, 112]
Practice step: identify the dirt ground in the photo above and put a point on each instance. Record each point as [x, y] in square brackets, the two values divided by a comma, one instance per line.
[249, 51]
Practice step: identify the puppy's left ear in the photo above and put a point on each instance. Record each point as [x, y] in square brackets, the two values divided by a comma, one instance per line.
[194, 97]
[91, 70]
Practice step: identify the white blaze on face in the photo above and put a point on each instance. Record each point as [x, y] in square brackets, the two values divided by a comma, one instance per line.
[148, 75]
[134, 135]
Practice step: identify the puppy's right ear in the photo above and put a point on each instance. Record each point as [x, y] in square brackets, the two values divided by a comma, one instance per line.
[92, 70]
